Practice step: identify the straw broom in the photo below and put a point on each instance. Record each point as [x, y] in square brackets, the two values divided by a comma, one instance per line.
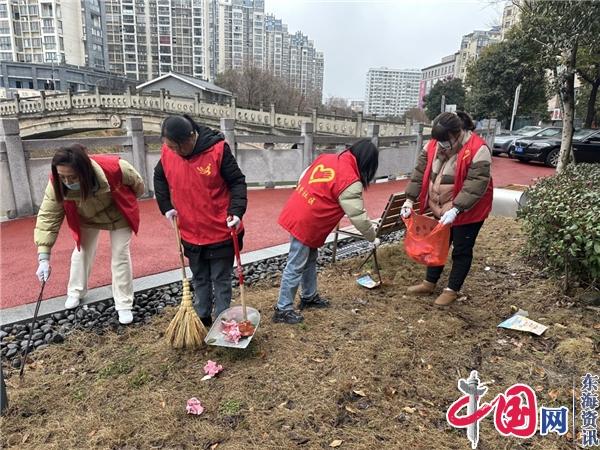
[185, 330]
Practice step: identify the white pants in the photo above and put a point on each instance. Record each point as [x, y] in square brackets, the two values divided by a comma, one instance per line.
[122, 275]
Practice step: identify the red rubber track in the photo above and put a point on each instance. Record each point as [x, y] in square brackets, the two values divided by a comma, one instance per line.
[153, 249]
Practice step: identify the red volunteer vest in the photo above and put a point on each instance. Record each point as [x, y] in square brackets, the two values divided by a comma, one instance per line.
[199, 194]
[122, 195]
[482, 208]
[313, 209]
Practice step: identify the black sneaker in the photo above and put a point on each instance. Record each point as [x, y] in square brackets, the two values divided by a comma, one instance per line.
[206, 321]
[287, 316]
[316, 301]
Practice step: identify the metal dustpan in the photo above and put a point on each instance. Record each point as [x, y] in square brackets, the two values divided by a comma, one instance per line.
[216, 336]
[366, 280]
[239, 313]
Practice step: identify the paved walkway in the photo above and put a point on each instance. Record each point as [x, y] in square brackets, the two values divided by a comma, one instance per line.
[153, 249]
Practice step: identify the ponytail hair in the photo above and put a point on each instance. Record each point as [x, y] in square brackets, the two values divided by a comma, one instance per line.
[178, 128]
[467, 120]
[448, 123]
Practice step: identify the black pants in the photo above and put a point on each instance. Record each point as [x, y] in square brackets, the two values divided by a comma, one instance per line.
[211, 281]
[462, 238]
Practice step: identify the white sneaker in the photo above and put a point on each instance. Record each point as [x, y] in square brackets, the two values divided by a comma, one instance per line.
[125, 316]
[72, 302]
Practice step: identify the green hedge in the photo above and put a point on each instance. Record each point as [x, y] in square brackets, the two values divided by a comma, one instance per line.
[561, 219]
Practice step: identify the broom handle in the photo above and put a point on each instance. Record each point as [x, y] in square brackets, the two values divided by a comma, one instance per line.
[236, 249]
[178, 236]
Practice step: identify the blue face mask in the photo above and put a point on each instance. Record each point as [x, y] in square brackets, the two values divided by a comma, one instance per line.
[73, 187]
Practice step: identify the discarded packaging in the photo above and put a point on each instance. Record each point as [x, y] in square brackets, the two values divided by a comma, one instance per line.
[522, 323]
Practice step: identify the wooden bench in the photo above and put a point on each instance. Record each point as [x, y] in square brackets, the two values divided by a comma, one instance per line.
[389, 222]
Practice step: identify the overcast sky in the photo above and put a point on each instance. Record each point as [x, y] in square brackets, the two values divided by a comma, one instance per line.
[356, 35]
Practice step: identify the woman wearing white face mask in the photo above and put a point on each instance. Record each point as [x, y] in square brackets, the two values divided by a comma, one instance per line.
[453, 180]
[97, 193]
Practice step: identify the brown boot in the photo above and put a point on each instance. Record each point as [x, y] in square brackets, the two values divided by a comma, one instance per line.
[447, 297]
[424, 288]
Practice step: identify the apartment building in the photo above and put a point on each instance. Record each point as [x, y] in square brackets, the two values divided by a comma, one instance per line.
[471, 46]
[444, 70]
[391, 92]
[144, 39]
[54, 32]
[511, 14]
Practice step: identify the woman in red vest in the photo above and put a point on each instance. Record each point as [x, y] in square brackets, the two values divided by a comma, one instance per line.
[331, 187]
[93, 193]
[198, 181]
[453, 180]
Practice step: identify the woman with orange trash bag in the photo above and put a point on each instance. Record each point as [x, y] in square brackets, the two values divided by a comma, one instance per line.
[453, 180]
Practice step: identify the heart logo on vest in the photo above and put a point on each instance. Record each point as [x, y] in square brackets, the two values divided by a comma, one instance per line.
[321, 174]
[204, 170]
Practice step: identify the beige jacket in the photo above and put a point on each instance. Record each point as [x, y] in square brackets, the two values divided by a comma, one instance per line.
[351, 201]
[99, 211]
[441, 181]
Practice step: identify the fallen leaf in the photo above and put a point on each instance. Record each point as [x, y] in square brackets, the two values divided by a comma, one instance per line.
[351, 410]
[336, 443]
[553, 394]
[318, 360]
[332, 381]
[163, 404]
[282, 405]
[389, 391]
[429, 367]
[409, 410]
[360, 393]
[597, 326]
[25, 438]
[215, 445]
[539, 388]
[420, 321]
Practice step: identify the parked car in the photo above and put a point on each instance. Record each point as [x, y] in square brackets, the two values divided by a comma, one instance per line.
[586, 147]
[545, 133]
[502, 141]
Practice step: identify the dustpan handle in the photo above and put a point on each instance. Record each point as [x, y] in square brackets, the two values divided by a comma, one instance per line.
[240, 271]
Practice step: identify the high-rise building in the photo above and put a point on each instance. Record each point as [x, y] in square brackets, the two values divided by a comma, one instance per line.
[54, 31]
[391, 92]
[471, 46]
[241, 28]
[148, 38]
[510, 16]
[443, 70]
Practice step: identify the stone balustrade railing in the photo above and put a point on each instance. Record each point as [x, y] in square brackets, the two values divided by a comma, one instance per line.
[23, 107]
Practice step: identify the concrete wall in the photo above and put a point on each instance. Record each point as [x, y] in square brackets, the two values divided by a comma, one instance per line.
[25, 164]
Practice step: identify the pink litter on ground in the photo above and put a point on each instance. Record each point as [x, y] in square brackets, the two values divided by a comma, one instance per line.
[194, 406]
[231, 330]
[212, 368]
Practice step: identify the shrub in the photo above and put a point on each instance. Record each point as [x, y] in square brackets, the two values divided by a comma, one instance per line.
[561, 219]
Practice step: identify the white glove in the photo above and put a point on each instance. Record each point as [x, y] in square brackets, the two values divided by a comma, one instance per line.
[233, 222]
[170, 215]
[43, 271]
[406, 209]
[376, 243]
[449, 216]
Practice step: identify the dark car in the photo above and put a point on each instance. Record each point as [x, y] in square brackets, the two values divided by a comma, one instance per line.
[586, 145]
[544, 133]
[503, 141]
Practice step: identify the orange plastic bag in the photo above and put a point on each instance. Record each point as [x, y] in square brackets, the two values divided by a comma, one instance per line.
[426, 241]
